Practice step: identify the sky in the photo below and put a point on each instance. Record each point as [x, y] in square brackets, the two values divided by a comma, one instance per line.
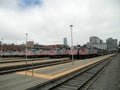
[48, 21]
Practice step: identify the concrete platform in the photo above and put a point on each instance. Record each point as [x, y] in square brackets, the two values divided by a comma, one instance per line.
[22, 81]
[29, 62]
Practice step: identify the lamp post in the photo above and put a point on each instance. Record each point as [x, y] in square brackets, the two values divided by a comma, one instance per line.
[1, 48]
[72, 44]
[26, 53]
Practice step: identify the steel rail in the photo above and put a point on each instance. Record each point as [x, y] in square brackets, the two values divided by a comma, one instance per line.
[30, 66]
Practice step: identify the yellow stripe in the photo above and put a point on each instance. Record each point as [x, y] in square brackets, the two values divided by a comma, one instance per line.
[80, 67]
[29, 73]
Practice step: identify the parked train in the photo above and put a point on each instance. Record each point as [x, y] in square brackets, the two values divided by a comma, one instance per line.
[77, 53]
[52, 53]
[85, 52]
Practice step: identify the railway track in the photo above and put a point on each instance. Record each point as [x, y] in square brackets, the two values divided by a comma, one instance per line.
[21, 60]
[78, 80]
[11, 69]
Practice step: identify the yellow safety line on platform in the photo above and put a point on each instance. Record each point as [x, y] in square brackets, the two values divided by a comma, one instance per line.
[80, 67]
[29, 73]
[74, 69]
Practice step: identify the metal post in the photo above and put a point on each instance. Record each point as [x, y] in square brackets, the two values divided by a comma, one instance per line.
[32, 68]
[72, 44]
[26, 53]
[1, 49]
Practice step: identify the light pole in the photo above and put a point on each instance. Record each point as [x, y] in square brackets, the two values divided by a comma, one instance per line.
[1, 48]
[72, 44]
[26, 53]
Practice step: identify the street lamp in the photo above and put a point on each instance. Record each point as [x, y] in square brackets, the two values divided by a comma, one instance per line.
[72, 44]
[1, 48]
[26, 53]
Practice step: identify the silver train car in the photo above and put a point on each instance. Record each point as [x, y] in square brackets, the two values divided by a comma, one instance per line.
[78, 53]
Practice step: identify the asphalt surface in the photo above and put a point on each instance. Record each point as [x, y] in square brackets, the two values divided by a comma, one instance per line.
[110, 78]
[18, 82]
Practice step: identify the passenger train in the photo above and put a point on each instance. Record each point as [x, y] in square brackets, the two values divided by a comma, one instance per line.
[78, 53]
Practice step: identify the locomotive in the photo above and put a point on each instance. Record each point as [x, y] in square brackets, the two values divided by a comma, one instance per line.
[77, 53]
[84, 52]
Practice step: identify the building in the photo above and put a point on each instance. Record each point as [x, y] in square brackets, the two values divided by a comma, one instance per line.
[65, 41]
[119, 44]
[11, 47]
[119, 47]
[96, 42]
[112, 45]
[60, 46]
[95, 39]
[30, 44]
[37, 46]
[97, 45]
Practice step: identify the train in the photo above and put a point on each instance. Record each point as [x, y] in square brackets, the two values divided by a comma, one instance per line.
[84, 52]
[77, 53]
[34, 53]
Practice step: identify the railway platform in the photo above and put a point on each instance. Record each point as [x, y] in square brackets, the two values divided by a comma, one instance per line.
[27, 79]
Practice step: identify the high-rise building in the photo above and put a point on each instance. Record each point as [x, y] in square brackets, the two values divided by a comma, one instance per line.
[65, 41]
[112, 44]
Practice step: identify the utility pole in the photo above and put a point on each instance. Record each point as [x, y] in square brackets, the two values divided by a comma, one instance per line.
[26, 53]
[72, 44]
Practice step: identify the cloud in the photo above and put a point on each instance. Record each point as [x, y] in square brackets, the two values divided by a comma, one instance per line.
[48, 22]
[29, 3]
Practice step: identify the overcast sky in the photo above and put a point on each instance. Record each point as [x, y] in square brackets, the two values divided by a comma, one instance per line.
[47, 21]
